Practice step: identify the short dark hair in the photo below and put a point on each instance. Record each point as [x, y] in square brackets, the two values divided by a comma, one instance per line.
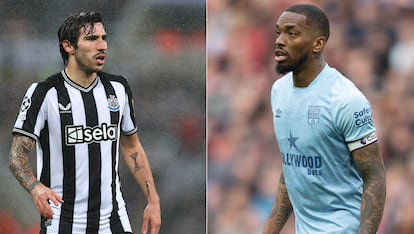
[315, 17]
[70, 28]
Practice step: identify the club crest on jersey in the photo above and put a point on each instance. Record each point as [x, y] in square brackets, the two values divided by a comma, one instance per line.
[313, 115]
[113, 103]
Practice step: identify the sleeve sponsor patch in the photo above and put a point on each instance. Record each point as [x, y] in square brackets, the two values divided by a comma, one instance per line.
[371, 138]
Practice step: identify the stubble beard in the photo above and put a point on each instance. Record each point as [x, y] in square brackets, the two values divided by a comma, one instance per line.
[283, 70]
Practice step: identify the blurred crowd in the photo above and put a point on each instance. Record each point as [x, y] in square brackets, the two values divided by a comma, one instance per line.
[162, 53]
[372, 43]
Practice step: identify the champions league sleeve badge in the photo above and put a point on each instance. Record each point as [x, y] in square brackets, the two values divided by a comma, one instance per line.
[113, 103]
[26, 103]
[313, 115]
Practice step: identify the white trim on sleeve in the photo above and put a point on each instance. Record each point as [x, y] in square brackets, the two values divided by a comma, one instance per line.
[371, 138]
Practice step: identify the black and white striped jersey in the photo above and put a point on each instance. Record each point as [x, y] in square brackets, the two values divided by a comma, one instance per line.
[77, 131]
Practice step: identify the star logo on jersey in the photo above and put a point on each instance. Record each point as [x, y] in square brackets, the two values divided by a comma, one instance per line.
[113, 103]
[292, 141]
[313, 115]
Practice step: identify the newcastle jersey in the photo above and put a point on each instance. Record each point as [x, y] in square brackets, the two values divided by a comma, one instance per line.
[77, 131]
[316, 128]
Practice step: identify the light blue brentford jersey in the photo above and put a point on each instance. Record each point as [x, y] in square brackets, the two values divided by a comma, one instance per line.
[313, 127]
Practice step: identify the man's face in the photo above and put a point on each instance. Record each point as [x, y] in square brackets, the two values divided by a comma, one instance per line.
[91, 48]
[293, 44]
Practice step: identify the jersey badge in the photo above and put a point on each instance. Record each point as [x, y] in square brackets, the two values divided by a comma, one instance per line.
[292, 141]
[65, 109]
[313, 115]
[26, 103]
[278, 113]
[113, 104]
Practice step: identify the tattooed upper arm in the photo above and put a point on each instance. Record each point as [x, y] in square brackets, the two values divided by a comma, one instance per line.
[368, 160]
[19, 160]
[370, 165]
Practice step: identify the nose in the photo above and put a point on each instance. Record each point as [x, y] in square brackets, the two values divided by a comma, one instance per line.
[279, 41]
[102, 44]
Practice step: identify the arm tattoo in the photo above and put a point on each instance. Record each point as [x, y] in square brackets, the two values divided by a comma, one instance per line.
[19, 161]
[283, 207]
[134, 157]
[371, 168]
[148, 187]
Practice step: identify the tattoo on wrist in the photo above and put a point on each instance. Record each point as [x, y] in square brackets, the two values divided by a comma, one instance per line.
[32, 185]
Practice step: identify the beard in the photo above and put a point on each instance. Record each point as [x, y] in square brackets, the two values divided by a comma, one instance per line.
[284, 69]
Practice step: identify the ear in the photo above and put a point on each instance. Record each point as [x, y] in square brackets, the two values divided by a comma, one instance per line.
[68, 47]
[319, 44]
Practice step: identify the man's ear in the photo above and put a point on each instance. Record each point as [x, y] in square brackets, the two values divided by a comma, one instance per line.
[68, 47]
[319, 44]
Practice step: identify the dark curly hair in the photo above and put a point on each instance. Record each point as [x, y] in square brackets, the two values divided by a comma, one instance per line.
[70, 28]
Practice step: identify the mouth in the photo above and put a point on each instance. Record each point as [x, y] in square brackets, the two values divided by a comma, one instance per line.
[100, 58]
[280, 55]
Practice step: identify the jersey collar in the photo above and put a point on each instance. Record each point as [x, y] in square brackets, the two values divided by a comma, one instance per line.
[75, 85]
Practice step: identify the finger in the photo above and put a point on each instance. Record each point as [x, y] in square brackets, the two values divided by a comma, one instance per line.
[46, 214]
[155, 230]
[47, 208]
[56, 199]
[145, 225]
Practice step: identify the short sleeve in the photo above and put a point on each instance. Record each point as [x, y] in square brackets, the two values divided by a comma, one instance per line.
[128, 123]
[354, 117]
[31, 117]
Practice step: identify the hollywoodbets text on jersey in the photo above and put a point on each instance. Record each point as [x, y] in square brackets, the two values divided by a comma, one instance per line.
[313, 164]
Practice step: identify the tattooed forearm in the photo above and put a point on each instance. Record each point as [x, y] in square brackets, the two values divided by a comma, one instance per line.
[284, 206]
[281, 210]
[19, 161]
[134, 157]
[147, 183]
[371, 167]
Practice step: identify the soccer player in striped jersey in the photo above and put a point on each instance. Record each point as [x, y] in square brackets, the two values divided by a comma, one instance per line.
[79, 119]
[333, 177]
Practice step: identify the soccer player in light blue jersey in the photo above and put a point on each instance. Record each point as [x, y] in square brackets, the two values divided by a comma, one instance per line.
[333, 177]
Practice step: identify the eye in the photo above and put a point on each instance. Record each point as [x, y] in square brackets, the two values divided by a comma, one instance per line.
[91, 38]
[277, 33]
[292, 34]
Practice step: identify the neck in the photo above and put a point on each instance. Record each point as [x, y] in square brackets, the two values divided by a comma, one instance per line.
[80, 77]
[304, 76]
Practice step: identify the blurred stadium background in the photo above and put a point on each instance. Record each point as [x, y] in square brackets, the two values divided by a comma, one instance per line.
[372, 42]
[160, 46]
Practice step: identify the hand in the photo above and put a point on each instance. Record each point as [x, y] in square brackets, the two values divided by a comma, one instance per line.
[41, 197]
[152, 218]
